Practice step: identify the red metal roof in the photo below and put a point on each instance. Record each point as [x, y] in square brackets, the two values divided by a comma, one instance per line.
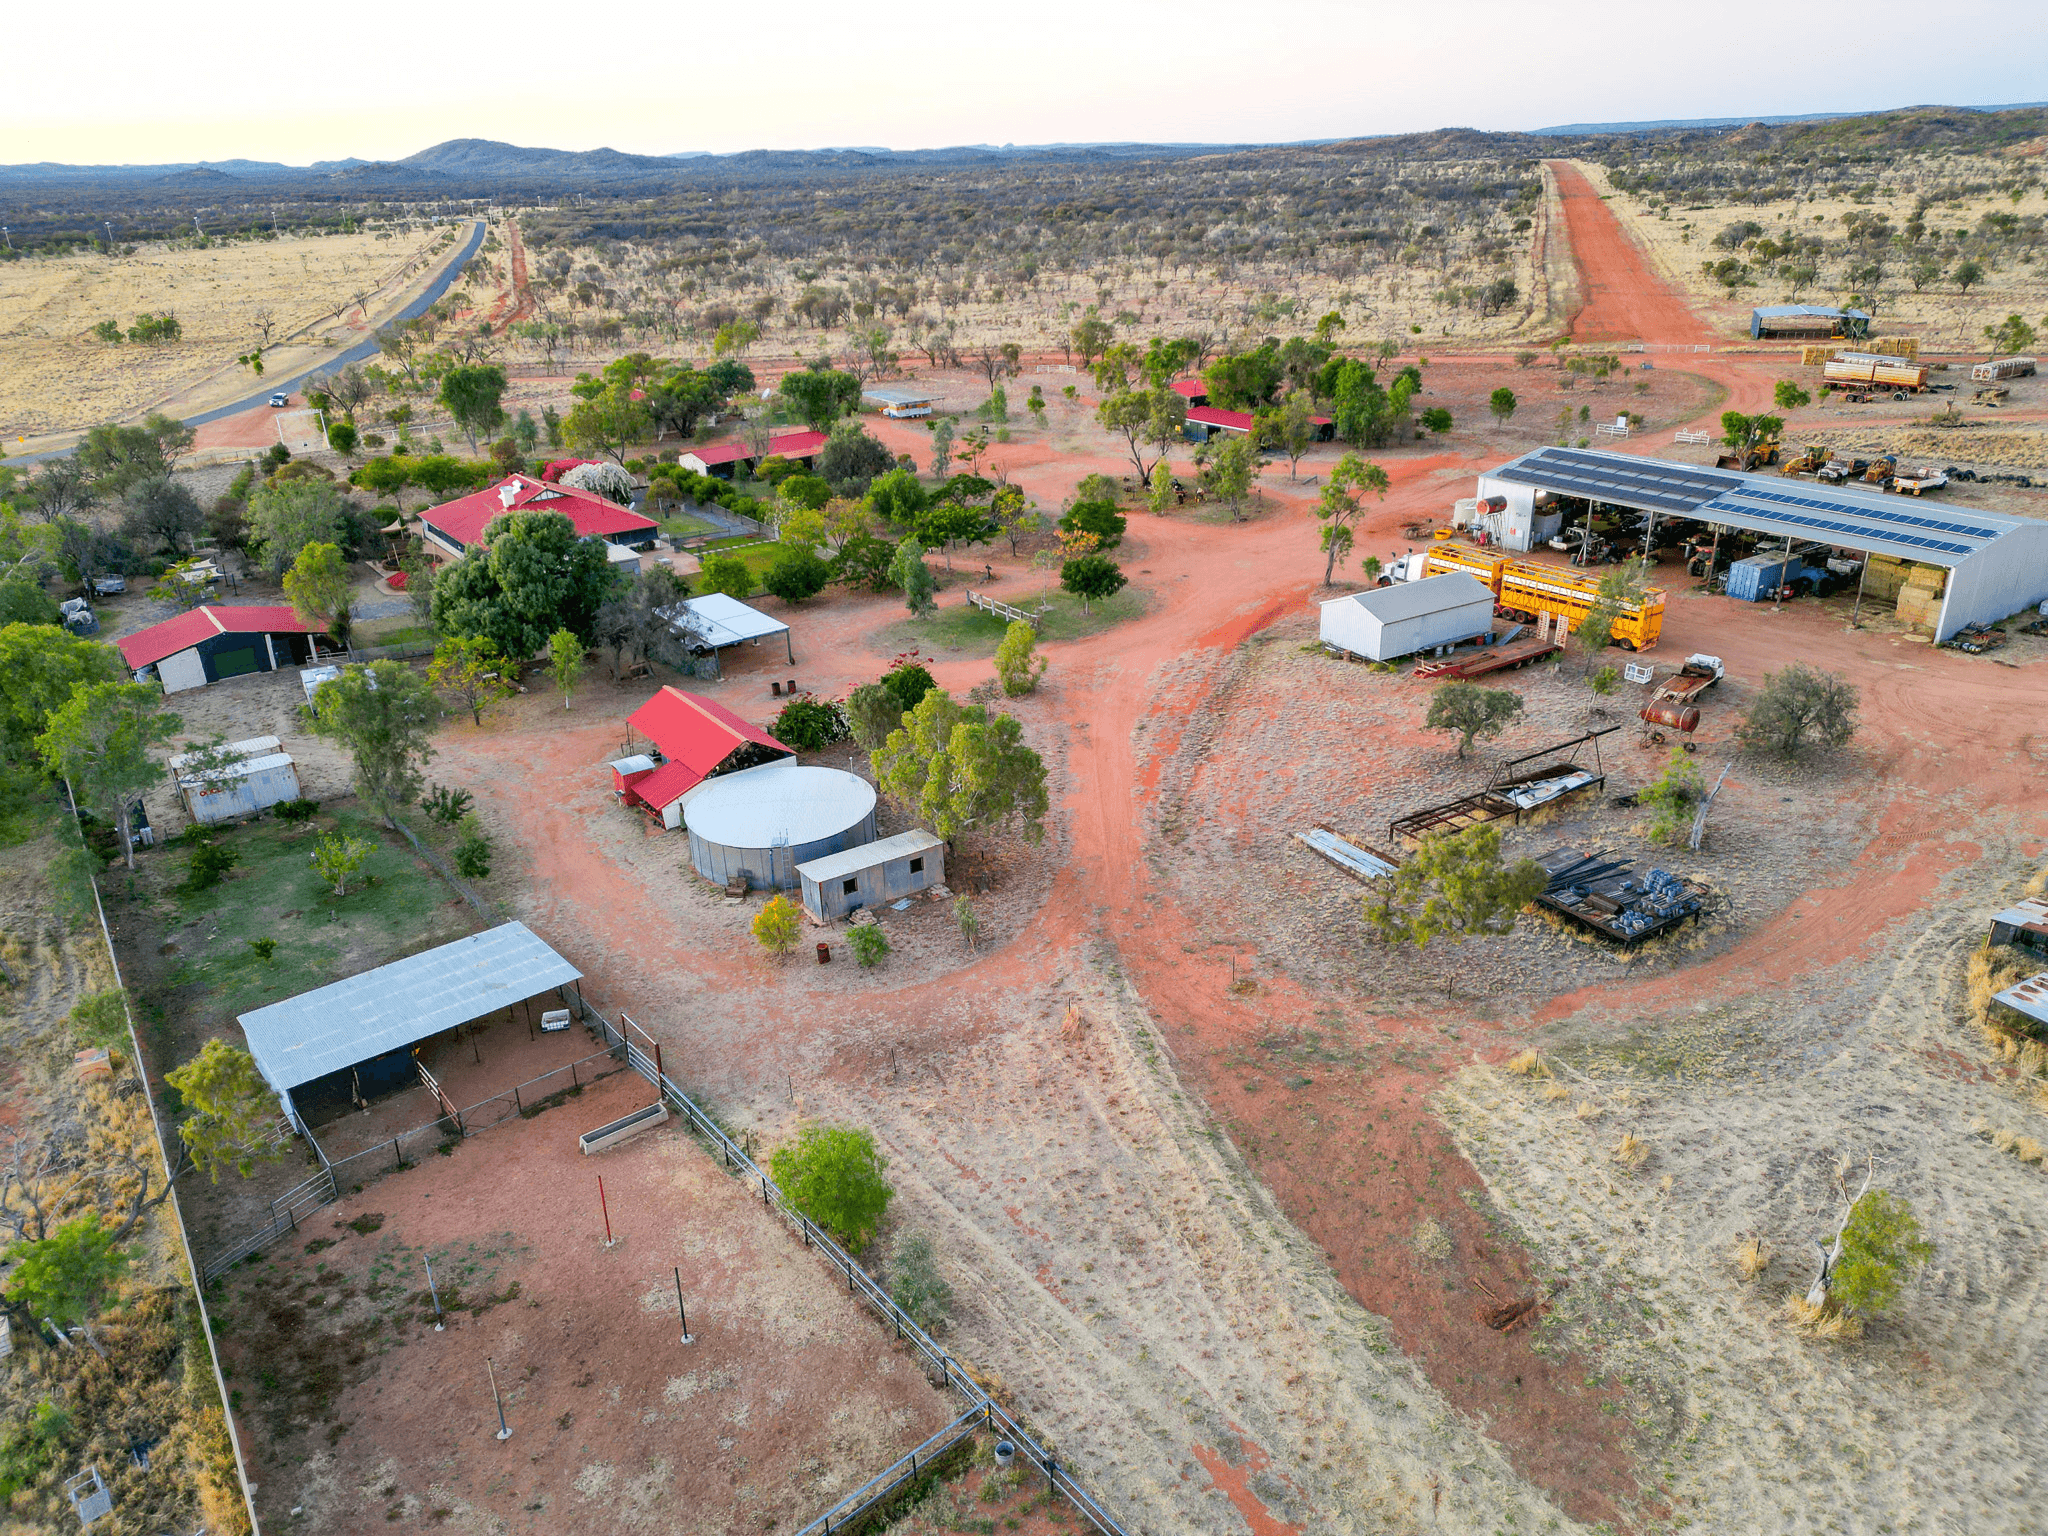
[1190, 389]
[695, 735]
[556, 468]
[791, 445]
[148, 646]
[1216, 416]
[465, 518]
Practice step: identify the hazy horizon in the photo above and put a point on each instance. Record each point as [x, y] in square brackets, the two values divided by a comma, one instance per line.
[1105, 72]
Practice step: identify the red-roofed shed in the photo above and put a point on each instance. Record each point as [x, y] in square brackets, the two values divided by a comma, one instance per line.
[212, 643]
[723, 459]
[1194, 391]
[454, 527]
[699, 740]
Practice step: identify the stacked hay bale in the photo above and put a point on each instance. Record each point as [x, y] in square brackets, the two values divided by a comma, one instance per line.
[1815, 356]
[1920, 596]
[1896, 346]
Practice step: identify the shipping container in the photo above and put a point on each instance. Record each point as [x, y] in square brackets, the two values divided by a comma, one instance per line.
[1757, 579]
[1529, 588]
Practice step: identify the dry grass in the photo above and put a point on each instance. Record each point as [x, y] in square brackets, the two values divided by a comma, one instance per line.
[1431, 1241]
[1529, 1064]
[1826, 1322]
[1752, 1257]
[1631, 1151]
[1552, 1092]
[1992, 969]
[1588, 1110]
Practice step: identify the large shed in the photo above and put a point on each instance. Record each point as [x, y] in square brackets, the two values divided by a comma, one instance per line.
[760, 824]
[1384, 623]
[717, 622]
[886, 870]
[218, 641]
[1768, 320]
[354, 1039]
[1996, 564]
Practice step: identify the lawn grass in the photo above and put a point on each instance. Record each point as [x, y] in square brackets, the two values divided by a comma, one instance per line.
[961, 628]
[395, 906]
[394, 632]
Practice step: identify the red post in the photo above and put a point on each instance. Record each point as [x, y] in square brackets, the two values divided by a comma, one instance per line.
[607, 1211]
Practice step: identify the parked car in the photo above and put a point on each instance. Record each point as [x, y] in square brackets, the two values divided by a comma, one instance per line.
[280, 397]
[107, 586]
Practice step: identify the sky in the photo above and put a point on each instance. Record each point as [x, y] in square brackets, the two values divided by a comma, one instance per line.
[381, 79]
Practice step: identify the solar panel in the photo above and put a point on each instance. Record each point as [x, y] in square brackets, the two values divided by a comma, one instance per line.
[1876, 513]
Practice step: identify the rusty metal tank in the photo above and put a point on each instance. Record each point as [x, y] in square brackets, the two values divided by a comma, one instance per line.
[1679, 717]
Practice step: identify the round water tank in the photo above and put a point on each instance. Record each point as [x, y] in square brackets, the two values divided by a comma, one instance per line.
[763, 822]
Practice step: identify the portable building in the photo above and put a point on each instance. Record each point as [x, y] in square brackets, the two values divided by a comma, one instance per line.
[900, 404]
[254, 775]
[1383, 623]
[2023, 924]
[2002, 368]
[886, 870]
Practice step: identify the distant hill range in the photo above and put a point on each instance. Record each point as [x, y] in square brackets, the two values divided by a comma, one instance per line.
[484, 167]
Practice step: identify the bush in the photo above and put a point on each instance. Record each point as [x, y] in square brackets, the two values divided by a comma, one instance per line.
[1798, 707]
[907, 684]
[262, 948]
[1471, 711]
[833, 1175]
[209, 865]
[916, 1284]
[775, 925]
[797, 574]
[1100, 518]
[1880, 1245]
[295, 810]
[473, 851]
[1603, 681]
[1671, 799]
[1017, 667]
[728, 574]
[810, 725]
[101, 1018]
[445, 805]
[870, 944]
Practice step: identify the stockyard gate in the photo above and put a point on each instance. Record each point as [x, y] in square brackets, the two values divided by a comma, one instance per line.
[1985, 566]
[408, 1036]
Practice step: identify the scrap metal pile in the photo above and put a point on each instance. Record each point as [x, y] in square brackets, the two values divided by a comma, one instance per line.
[1604, 895]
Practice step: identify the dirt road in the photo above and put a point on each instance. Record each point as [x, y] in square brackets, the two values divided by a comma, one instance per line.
[1621, 299]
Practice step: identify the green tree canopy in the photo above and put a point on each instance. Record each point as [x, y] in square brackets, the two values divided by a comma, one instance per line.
[833, 1174]
[898, 499]
[851, 460]
[100, 740]
[382, 715]
[1100, 518]
[533, 577]
[1471, 711]
[1454, 885]
[41, 666]
[728, 574]
[1092, 578]
[1337, 508]
[962, 771]
[1798, 707]
[287, 516]
[117, 458]
[909, 572]
[318, 586]
[69, 1274]
[232, 1109]
[797, 574]
[1502, 403]
[473, 396]
[820, 396]
[1881, 1245]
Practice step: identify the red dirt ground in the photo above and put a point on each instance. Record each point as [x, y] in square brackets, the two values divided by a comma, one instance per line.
[1621, 299]
[789, 1398]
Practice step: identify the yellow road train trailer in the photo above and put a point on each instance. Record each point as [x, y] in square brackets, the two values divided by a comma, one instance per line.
[1529, 588]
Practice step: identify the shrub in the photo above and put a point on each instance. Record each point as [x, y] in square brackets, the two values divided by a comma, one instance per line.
[775, 925]
[338, 856]
[797, 574]
[1018, 668]
[1471, 711]
[209, 865]
[473, 851]
[833, 1175]
[907, 684]
[445, 805]
[1100, 518]
[1799, 707]
[263, 948]
[1602, 682]
[728, 574]
[295, 810]
[810, 725]
[101, 1018]
[1671, 800]
[916, 1284]
[1880, 1245]
[870, 944]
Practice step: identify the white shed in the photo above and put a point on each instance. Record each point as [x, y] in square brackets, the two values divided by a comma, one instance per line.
[1383, 623]
[261, 774]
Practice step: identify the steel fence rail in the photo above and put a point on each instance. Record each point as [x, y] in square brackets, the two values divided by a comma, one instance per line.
[860, 1283]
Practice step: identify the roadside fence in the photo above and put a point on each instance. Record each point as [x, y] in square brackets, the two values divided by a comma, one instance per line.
[981, 1411]
[443, 868]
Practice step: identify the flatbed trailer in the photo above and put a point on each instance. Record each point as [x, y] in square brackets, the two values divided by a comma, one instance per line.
[1494, 658]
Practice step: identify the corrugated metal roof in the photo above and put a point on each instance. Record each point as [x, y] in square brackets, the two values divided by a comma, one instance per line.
[1816, 311]
[1413, 599]
[889, 396]
[151, 645]
[399, 1004]
[778, 803]
[253, 746]
[723, 620]
[695, 734]
[1824, 514]
[851, 861]
[2029, 997]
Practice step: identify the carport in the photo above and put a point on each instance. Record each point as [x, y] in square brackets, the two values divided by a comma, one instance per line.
[1996, 564]
[355, 1039]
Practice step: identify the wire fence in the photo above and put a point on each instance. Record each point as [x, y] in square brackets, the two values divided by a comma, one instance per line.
[982, 1411]
[444, 869]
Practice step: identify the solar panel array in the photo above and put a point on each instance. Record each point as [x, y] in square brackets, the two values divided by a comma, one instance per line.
[1687, 491]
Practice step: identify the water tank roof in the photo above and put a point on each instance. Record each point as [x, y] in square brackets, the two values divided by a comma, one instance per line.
[778, 803]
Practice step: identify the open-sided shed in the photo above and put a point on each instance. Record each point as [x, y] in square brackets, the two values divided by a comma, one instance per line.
[355, 1038]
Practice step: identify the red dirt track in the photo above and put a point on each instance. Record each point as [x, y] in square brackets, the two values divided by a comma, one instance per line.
[1621, 299]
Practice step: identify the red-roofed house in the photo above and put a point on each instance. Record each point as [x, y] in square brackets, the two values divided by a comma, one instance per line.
[1207, 421]
[455, 527]
[699, 740]
[212, 643]
[554, 469]
[724, 459]
[1194, 391]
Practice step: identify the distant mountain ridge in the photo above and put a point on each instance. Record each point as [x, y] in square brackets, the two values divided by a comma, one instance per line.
[1669, 123]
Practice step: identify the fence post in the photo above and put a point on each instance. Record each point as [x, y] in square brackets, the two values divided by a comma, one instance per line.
[521, 1108]
[573, 1083]
[397, 1157]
